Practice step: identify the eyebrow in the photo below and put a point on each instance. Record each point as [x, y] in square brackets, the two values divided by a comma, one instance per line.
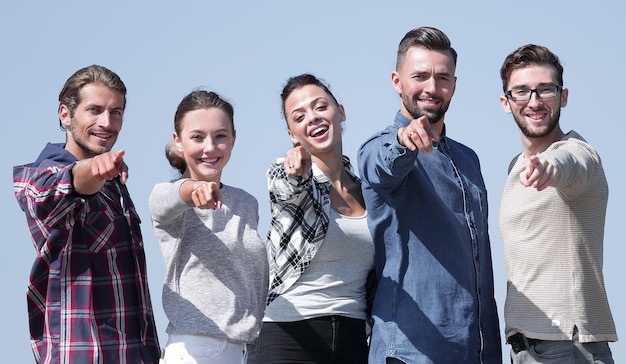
[313, 102]
[94, 104]
[200, 131]
[551, 83]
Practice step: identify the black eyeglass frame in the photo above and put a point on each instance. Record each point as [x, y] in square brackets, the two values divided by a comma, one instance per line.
[509, 93]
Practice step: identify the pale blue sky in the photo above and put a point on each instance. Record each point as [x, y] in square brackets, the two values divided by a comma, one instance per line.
[246, 50]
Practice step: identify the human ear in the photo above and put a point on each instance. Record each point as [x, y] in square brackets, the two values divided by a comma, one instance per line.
[64, 115]
[395, 81]
[564, 96]
[342, 112]
[178, 142]
[294, 140]
[504, 102]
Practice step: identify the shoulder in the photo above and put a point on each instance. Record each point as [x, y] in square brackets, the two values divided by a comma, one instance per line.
[276, 163]
[163, 187]
[574, 137]
[575, 144]
[47, 175]
[514, 161]
[386, 136]
[462, 149]
[166, 194]
[238, 194]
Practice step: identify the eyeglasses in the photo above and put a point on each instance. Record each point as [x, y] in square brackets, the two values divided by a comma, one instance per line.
[524, 94]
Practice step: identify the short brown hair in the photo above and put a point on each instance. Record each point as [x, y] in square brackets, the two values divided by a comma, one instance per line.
[70, 93]
[425, 37]
[529, 55]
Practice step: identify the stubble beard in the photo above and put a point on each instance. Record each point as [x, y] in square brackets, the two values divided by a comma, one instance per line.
[410, 105]
[87, 151]
[541, 132]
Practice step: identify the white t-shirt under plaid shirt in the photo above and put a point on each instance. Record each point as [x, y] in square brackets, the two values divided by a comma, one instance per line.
[300, 209]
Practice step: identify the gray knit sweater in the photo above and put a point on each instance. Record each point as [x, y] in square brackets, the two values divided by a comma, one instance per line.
[216, 264]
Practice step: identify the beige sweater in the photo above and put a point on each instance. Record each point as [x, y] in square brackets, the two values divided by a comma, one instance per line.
[553, 245]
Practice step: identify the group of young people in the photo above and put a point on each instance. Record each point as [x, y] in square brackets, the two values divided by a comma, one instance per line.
[390, 265]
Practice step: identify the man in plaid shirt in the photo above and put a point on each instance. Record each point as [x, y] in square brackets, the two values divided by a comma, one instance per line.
[88, 299]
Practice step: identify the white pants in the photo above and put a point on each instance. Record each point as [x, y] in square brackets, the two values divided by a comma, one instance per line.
[196, 349]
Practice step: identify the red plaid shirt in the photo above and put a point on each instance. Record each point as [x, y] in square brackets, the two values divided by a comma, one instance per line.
[88, 299]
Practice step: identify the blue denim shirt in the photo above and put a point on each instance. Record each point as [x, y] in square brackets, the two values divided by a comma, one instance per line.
[428, 217]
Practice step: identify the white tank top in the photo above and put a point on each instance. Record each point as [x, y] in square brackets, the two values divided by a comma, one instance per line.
[334, 282]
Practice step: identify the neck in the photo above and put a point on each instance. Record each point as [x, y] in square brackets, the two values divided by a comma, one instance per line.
[331, 166]
[533, 146]
[345, 193]
[438, 127]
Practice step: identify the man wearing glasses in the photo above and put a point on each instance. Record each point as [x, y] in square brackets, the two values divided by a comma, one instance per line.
[552, 223]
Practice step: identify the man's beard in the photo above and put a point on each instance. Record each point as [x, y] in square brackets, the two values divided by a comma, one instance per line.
[87, 151]
[411, 107]
[523, 127]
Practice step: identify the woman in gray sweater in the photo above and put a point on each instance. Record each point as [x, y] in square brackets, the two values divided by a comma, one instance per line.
[216, 263]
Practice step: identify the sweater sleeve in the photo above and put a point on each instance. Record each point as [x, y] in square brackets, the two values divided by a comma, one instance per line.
[576, 163]
[165, 203]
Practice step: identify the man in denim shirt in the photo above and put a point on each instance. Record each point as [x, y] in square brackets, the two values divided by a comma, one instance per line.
[428, 213]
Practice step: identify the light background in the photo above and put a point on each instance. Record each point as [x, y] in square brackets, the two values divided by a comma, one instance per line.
[246, 50]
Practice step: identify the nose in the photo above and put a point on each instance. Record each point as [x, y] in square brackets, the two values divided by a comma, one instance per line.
[110, 119]
[209, 145]
[430, 84]
[312, 116]
[534, 99]
[105, 119]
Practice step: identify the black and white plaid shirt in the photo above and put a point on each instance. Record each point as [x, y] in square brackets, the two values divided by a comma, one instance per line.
[300, 208]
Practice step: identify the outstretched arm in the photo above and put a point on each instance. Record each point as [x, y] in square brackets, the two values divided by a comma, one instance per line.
[387, 157]
[201, 194]
[90, 174]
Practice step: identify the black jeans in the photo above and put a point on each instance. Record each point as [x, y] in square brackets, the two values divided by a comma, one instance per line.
[322, 340]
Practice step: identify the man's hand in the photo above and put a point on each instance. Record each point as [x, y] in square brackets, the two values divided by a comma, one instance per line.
[107, 166]
[419, 134]
[539, 174]
[90, 174]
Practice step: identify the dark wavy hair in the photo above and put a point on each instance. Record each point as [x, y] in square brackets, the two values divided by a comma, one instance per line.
[305, 79]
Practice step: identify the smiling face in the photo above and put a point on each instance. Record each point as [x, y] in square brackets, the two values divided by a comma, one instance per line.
[206, 141]
[314, 119]
[96, 123]
[536, 118]
[425, 82]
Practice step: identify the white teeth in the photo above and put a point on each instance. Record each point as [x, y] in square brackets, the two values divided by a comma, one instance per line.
[319, 130]
[209, 160]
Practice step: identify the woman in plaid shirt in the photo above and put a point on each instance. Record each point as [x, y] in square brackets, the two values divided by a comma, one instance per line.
[320, 248]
